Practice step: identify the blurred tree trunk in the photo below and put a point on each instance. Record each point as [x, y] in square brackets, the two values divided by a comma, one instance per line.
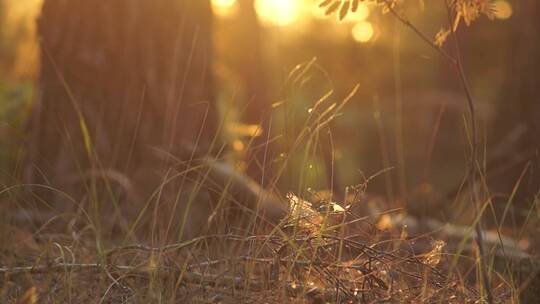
[519, 110]
[120, 81]
[257, 93]
[3, 26]
[253, 72]
[259, 97]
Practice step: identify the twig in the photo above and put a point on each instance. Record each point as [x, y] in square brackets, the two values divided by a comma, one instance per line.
[473, 162]
[189, 243]
[422, 36]
[457, 63]
[292, 289]
[188, 277]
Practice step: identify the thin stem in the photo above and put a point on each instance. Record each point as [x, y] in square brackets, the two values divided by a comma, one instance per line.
[424, 37]
[398, 122]
[456, 62]
[474, 159]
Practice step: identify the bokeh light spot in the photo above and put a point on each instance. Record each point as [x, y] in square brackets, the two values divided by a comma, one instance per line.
[503, 9]
[238, 145]
[363, 31]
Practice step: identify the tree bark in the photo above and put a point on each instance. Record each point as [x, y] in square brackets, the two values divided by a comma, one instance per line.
[119, 81]
[253, 73]
[519, 111]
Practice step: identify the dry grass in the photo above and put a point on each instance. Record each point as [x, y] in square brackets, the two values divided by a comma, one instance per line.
[196, 243]
[321, 253]
[187, 247]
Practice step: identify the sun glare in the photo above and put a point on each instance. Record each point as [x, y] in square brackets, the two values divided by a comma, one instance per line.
[503, 9]
[224, 8]
[363, 31]
[19, 21]
[277, 12]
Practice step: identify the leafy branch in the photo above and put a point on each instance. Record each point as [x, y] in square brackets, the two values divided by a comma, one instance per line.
[457, 10]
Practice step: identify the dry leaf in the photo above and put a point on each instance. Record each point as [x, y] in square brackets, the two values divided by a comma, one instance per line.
[344, 10]
[29, 297]
[302, 212]
[354, 6]
[385, 222]
[441, 37]
[325, 3]
[433, 257]
[332, 8]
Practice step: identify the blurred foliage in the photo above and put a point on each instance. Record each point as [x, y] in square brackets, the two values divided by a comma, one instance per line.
[403, 131]
[18, 44]
[391, 64]
[18, 67]
[15, 97]
[406, 92]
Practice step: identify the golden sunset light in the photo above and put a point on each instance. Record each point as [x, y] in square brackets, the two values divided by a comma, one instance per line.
[503, 9]
[269, 151]
[225, 8]
[278, 12]
[363, 31]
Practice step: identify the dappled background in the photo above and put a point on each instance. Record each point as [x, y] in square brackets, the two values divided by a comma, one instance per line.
[292, 97]
[408, 114]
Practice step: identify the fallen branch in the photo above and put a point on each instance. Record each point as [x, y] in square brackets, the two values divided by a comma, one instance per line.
[501, 246]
